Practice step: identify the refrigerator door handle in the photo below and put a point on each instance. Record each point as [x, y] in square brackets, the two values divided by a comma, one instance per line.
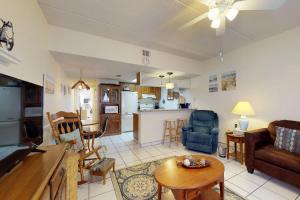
[8, 123]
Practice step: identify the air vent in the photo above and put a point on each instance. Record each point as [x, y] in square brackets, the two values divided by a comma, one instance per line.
[146, 57]
[146, 53]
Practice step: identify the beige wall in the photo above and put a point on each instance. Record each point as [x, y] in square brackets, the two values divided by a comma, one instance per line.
[78, 43]
[267, 75]
[31, 47]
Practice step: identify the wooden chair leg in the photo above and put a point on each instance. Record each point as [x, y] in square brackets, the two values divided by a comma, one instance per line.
[97, 154]
[81, 164]
[164, 133]
[170, 134]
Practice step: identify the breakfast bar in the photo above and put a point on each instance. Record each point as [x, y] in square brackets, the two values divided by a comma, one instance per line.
[149, 124]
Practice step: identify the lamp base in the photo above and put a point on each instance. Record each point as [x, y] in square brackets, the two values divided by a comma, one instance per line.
[243, 122]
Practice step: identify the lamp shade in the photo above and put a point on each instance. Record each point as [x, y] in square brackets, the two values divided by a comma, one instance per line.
[169, 85]
[243, 108]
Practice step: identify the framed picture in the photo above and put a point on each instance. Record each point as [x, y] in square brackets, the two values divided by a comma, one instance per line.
[213, 78]
[49, 84]
[213, 87]
[228, 81]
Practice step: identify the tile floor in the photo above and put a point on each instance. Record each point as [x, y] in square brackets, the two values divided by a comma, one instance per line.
[123, 148]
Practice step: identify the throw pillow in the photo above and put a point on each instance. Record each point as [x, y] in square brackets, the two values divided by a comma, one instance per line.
[287, 139]
[73, 138]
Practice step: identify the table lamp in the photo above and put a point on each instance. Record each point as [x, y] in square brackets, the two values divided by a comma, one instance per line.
[243, 108]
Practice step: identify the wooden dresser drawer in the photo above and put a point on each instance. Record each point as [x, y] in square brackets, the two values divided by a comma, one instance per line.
[57, 181]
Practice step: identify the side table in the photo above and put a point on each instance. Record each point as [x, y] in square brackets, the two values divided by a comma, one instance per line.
[237, 139]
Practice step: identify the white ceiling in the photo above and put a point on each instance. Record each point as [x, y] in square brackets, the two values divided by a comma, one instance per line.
[154, 24]
[95, 68]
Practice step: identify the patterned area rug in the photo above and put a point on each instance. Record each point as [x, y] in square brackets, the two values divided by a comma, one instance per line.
[138, 183]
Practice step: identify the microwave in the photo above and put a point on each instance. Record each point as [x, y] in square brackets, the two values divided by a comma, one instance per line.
[111, 109]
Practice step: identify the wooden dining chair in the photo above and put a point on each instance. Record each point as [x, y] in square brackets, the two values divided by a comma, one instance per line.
[66, 122]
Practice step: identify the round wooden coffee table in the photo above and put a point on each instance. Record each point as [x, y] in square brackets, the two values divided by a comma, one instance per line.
[191, 183]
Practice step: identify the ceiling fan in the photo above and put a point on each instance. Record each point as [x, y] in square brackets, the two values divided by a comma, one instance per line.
[220, 10]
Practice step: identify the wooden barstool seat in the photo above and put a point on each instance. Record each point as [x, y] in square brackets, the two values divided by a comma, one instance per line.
[170, 130]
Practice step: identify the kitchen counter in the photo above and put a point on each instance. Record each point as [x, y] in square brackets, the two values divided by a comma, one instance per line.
[150, 123]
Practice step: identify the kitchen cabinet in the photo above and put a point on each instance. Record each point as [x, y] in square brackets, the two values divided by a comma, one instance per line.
[149, 90]
[135, 125]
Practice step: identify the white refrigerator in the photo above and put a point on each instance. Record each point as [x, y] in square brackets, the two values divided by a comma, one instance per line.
[129, 106]
[10, 114]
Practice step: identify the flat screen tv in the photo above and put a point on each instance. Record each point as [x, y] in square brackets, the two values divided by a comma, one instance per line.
[21, 120]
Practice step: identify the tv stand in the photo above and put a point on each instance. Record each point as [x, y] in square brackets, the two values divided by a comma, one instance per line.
[35, 150]
[44, 176]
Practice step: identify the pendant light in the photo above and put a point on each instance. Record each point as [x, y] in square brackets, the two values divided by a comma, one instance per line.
[161, 80]
[169, 85]
[81, 84]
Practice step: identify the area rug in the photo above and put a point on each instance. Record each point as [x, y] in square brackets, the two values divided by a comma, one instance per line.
[138, 183]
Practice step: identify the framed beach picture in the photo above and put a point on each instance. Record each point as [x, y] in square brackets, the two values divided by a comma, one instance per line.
[49, 84]
[213, 85]
[228, 81]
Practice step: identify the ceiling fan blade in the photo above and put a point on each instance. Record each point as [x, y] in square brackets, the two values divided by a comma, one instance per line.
[206, 2]
[221, 30]
[258, 4]
[194, 21]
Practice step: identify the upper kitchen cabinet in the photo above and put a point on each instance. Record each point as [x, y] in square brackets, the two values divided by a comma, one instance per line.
[150, 91]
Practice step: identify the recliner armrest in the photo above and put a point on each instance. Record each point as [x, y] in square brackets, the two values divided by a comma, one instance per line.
[254, 140]
[214, 131]
[185, 131]
[187, 128]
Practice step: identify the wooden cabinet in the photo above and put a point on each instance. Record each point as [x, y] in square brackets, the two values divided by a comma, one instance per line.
[149, 90]
[135, 125]
[113, 124]
[44, 176]
[110, 95]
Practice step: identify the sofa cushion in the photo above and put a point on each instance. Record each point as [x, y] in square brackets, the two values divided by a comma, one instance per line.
[287, 139]
[279, 157]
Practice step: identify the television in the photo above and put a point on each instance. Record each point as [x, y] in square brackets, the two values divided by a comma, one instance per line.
[21, 120]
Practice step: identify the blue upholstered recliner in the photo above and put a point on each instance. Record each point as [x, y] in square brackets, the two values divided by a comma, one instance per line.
[202, 132]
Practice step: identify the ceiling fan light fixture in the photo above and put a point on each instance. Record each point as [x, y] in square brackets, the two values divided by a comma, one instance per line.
[213, 14]
[232, 13]
[215, 23]
[170, 86]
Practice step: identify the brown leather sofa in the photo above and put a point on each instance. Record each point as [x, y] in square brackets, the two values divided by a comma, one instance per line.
[263, 156]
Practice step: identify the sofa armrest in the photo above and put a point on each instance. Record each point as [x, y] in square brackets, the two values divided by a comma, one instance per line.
[254, 140]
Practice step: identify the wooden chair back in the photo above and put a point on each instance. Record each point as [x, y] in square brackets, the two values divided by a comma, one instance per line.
[65, 122]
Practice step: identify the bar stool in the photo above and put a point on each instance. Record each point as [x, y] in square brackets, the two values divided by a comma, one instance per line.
[170, 130]
[181, 122]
